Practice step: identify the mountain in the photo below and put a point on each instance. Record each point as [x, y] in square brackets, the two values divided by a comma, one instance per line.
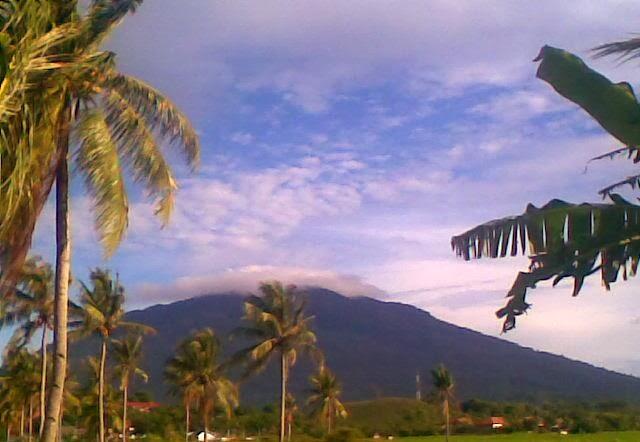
[376, 348]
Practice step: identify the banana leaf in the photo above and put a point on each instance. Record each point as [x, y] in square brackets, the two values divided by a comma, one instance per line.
[613, 105]
[562, 240]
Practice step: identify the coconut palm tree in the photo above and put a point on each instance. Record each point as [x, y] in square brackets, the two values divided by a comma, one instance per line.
[325, 398]
[56, 83]
[103, 313]
[291, 410]
[20, 386]
[128, 352]
[444, 384]
[181, 384]
[91, 418]
[196, 372]
[30, 307]
[277, 321]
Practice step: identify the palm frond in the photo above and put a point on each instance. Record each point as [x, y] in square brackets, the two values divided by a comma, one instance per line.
[97, 160]
[141, 153]
[104, 15]
[159, 112]
[625, 50]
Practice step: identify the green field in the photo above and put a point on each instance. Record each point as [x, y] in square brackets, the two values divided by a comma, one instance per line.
[622, 436]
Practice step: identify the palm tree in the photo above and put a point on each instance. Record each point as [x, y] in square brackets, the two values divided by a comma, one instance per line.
[325, 398]
[573, 240]
[291, 410]
[278, 322]
[58, 83]
[90, 417]
[31, 307]
[128, 353]
[196, 372]
[103, 311]
[20, 386]
[443, 383]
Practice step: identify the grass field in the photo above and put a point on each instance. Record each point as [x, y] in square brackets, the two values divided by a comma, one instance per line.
[622, 436]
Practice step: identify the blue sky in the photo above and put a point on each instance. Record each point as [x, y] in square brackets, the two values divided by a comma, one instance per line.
[345, 142]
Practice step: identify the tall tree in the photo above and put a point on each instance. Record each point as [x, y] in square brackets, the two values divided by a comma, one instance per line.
[277, 321]
[292, 409]
[444, 384]
[103, 313]
[573, 240]
[30, 309]
[90, 418]
[58, 83]
[128, 352]
[20, 384]
[196, 371]
[325, 398]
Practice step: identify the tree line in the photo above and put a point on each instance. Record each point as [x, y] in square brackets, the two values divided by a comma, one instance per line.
[275, 324]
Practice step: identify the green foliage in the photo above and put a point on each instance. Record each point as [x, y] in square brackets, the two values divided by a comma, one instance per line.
[54, 75]
[325, 398]
[571, 240]
[391, 416]
[612, 105]
[344, 435]
[197, 375]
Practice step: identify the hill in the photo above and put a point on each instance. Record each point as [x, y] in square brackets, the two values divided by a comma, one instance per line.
[377, 347]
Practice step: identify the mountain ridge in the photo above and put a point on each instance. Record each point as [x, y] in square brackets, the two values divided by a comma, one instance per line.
[376, 348]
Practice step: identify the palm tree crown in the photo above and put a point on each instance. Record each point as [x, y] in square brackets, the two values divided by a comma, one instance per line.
[52, 57]
[128, 352]
[103, 313]
[325, 398]
[196, 372]
[277, 321]
[443, 383]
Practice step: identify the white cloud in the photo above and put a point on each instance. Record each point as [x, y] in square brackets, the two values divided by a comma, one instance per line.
[242, 138]
[311, 52]
[247, 279]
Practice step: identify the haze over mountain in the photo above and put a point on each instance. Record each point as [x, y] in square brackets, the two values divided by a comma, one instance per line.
[376, 348]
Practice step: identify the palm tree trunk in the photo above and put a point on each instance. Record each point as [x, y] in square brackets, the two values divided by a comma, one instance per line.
[22, 421]
[30, 418]
[186, 433]
[283, 394]
[103, 358]
[204, 424]
[63, 270]
[446, 418]
[43, 377]
[8, 432]
[59, 435]
[124, 412]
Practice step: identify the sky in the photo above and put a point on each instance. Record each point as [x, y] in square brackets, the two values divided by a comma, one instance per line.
[344, 143]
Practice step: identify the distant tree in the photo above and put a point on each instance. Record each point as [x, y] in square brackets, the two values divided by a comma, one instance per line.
[103, 312]
[128, 353]
[20, 385]
[325, 398]
[196, 371]
[443, 384]
[292, 410]
[98, 403]
[277, 322]
[573, 240]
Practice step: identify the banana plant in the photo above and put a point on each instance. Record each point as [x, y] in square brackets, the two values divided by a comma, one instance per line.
[565, 240]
